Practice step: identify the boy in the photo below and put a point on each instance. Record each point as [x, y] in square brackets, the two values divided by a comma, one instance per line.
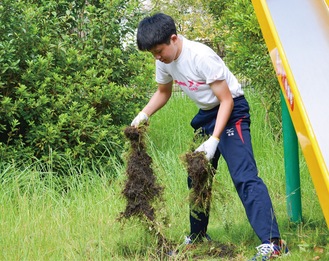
[223, 115]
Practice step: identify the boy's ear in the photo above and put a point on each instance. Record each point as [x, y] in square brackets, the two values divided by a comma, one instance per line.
[174, 37]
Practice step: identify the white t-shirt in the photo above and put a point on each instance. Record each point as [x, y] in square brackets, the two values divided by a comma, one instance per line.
[196, 67]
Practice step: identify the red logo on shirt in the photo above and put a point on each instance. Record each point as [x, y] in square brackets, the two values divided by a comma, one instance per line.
[191, 85]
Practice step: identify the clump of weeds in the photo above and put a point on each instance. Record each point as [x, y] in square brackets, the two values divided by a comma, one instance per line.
[201, 173]
[141, 189]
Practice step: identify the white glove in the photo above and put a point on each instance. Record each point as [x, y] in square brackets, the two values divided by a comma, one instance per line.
[209, 147]
[139, 119]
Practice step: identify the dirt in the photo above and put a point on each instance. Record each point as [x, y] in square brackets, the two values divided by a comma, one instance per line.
[205, 251]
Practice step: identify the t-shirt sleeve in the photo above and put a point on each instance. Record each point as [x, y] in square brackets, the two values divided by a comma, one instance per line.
[162, 76]
[211, 67]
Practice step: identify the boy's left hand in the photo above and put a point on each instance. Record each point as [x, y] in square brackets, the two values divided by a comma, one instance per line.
[209, 147]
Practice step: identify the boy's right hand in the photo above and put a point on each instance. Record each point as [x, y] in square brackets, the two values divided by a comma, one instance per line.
[209, 147]
[141, 118]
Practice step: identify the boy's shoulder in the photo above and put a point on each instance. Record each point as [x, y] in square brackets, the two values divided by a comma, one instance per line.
[197, 47]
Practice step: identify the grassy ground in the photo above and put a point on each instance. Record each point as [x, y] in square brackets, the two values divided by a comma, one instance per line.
[43, 217]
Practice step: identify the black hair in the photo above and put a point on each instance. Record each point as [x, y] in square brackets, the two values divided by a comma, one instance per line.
[154, 30]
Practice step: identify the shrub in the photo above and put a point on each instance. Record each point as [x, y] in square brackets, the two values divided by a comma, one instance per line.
[70, 79]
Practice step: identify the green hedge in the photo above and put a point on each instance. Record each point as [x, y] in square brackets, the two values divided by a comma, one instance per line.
[70, 79]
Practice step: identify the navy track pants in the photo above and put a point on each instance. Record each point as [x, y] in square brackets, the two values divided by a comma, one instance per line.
[236, 148]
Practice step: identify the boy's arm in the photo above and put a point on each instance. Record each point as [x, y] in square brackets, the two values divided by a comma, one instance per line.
[157, 101]
[223, 94]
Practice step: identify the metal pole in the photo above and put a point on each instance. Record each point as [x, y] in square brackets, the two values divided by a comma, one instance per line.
[291, 163]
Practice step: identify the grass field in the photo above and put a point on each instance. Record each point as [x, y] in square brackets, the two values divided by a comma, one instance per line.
[44, 217]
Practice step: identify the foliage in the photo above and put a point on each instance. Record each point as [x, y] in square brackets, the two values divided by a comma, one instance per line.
[246, 53]
[70, 78]
[192, 19]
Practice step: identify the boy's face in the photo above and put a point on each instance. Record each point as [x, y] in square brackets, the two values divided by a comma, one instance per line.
[167, 53]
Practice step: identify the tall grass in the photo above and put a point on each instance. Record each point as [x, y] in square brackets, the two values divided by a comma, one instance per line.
[44, 217]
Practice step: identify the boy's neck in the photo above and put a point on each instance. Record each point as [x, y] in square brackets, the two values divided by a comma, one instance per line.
[179, 44]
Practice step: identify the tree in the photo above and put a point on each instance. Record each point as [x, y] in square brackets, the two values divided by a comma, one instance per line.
[192, 19]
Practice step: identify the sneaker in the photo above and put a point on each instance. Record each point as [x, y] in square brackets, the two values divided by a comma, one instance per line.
[267, 251]
[196, 239]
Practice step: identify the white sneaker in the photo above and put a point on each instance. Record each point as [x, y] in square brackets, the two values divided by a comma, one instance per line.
[269, 250]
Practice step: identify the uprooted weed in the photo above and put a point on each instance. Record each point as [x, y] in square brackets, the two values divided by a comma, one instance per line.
[201, 174]
[141, 189]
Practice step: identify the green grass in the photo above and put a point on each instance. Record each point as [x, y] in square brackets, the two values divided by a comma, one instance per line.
[43, 217]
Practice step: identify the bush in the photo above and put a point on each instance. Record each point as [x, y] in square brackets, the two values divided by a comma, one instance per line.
[70, 79]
